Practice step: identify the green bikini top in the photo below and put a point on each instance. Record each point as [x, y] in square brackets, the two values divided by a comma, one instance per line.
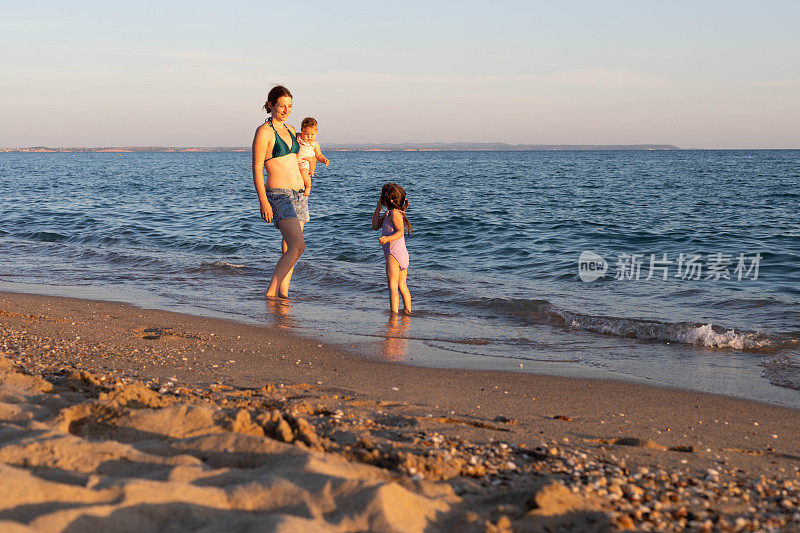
[280, 149]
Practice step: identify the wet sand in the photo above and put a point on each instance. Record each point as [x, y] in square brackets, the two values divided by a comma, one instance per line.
[120, 418]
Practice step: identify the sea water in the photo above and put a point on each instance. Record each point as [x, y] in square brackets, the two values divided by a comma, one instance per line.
[690, 274]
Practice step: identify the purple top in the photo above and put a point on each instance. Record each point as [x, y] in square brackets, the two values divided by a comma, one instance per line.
[396, 249]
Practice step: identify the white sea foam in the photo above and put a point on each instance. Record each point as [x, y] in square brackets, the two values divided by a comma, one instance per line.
[698, 335]
[221, 267]
[692, 333]
[706, 336]
[225, 264]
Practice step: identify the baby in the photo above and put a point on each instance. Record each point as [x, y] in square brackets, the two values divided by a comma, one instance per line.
[310, 151]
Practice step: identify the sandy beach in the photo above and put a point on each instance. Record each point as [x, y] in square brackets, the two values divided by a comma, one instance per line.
[116, 418]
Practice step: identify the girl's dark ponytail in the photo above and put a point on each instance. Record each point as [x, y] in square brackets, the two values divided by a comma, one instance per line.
[393, 196]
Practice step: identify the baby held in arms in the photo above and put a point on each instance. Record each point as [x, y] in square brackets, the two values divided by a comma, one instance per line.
[310, 151]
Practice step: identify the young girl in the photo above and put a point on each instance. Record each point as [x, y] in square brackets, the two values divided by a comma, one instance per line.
[393, 225]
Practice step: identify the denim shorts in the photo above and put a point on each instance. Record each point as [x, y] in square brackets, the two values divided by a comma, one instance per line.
[287, 203]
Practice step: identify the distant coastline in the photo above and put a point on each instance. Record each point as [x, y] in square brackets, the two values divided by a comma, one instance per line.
[362, 147]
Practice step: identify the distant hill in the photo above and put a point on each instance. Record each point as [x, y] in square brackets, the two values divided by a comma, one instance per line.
[493, 146]
[130, 149]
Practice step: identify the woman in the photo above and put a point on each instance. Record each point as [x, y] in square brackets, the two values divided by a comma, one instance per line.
[275, 148]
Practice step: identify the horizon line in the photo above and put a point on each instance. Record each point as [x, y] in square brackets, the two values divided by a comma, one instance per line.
[371, 146]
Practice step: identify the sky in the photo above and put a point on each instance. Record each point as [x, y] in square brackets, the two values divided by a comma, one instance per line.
[694, 74]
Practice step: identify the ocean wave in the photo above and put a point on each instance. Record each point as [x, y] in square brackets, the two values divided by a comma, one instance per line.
[695, 334]
[443, 345]
[45, 236]
[187, 245]
[326, 273]
[690, 333]
[349, 257]
[136, 235]
[748, 303]
[538, 311]
[220, 267]
[783, 370]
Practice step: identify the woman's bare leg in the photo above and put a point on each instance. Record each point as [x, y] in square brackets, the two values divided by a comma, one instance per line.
[292, 246]
[393, 280]
[284, 286]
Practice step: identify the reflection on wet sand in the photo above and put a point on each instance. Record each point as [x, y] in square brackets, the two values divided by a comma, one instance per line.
[280, 310]
[395, 343]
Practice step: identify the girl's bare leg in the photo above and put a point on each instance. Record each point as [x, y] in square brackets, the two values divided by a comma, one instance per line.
[292, 246]
[404, 292]
[393, 280]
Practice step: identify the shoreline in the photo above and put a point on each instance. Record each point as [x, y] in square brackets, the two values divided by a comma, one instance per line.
[369, 347]
[567, 431]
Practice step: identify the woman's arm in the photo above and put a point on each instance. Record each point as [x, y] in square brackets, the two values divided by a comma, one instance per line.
[397, 222]
[377, 219]
[260, 146]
